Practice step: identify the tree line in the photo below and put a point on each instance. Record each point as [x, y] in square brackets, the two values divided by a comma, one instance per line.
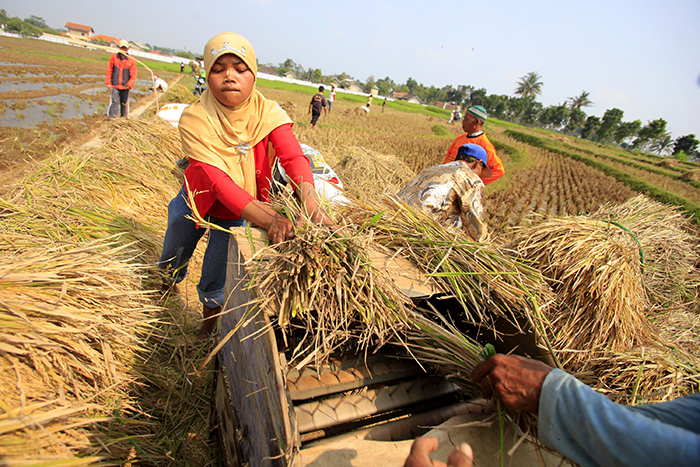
[521, 108]
[33, 26]
[524, 109]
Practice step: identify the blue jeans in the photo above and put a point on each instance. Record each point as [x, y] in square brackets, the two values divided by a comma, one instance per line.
[179, 244]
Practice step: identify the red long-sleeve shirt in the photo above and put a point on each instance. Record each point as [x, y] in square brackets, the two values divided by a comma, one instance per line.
[219, 196]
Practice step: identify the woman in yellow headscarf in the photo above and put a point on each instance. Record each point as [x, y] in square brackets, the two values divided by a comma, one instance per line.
[231, 136]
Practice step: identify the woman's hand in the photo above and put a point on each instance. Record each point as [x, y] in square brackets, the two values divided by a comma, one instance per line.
[307, 193]
[279, 228]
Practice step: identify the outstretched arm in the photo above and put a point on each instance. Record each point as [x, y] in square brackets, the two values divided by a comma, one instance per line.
[586, 426]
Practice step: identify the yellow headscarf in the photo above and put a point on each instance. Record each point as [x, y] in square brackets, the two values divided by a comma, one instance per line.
[222, 137]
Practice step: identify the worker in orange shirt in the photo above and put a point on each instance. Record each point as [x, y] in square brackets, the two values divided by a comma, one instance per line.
[121, 76]
[472, 124]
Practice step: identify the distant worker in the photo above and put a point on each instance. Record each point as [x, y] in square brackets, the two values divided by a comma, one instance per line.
[331, 98]
[580, 423]
[182, 67]
[384, 104]
[472, 124]
[369, 100]
[121, 76]
[159, 84]
[455, 116]
[452, 193]
[318, 104]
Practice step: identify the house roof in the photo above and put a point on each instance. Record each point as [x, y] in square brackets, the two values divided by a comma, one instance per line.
[404, 96]
[268, 69]
[107, 39]
[79, 27]
[137, 45]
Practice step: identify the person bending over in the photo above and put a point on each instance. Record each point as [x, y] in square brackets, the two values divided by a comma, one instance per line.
[231, 136]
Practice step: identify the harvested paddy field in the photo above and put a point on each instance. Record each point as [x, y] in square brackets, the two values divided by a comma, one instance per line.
[99, 365]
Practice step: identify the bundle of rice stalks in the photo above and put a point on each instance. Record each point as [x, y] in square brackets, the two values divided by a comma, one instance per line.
[642, 375]
[433, 340]
[668, 162]
[390, 173]
[603, 269]
[79, 383]
[322, 289]
[595, 269]
[693, 175]
[488, 281]
[671, 274]
[128, 181]
[71, 317]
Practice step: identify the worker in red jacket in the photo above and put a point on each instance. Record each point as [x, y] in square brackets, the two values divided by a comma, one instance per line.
[121, 76]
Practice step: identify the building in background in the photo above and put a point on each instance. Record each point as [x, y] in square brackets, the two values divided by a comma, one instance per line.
[79, 31]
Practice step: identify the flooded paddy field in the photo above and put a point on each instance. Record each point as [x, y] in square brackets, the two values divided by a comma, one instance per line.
[52, 94]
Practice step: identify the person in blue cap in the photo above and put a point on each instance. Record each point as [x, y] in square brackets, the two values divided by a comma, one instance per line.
[452, 193]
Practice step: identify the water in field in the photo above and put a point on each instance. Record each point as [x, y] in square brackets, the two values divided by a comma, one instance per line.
[47, 110]
[96, 91]
[17, 64]
[19, 86]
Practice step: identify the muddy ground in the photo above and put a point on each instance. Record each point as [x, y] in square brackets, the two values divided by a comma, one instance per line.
[53, 95]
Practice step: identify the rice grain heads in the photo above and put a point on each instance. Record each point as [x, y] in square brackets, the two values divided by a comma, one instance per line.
[595, 269]
[610, 267]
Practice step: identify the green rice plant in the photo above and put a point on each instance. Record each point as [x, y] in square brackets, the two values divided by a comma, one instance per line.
[439, 130]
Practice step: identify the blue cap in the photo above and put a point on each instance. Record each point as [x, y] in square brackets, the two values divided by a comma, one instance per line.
[477, 152]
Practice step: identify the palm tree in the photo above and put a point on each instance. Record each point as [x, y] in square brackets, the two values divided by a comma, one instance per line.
[580, 101]
[529, 85]
[662, 144]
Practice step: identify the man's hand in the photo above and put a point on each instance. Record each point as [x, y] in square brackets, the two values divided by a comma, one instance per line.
[461, 456]
[515, 380]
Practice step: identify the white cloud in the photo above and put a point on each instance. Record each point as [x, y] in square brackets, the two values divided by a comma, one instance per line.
[336, 32]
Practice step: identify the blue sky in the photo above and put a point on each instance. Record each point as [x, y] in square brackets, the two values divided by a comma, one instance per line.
[640, 56]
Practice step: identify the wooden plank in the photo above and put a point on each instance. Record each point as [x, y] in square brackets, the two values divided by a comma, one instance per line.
[258, 404]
